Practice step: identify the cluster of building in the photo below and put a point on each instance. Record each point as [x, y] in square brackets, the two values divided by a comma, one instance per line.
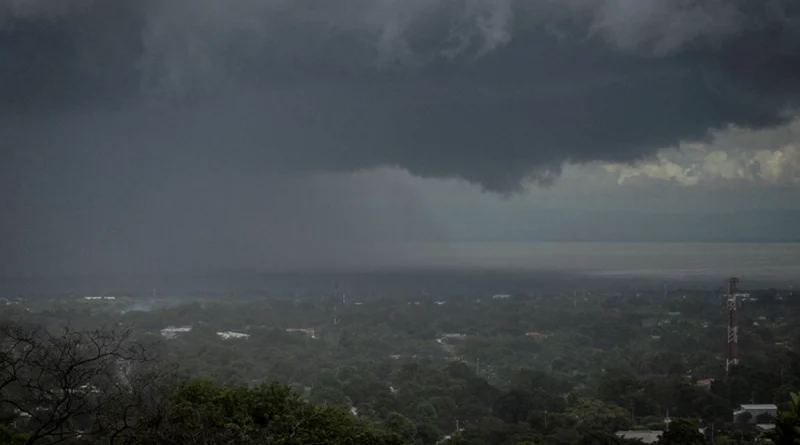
[171, 332]
[751, 414]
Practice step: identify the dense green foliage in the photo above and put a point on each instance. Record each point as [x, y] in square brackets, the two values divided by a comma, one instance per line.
[787, 426]
[549, 370]
[201, 413]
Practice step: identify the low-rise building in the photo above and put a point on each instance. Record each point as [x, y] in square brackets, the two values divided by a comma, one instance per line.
[228, 335]
[310, 332]
[756, 410]
[173, 331]
[646, 436]
[454, 336]
[705, 383]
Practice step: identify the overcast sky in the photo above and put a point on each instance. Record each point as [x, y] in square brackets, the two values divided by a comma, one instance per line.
[187, 134]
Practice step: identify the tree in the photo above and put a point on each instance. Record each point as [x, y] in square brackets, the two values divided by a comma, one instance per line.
[401, 426]
[202, 413]
[426, 411]
[428, 434]
[599, 437]
[724, 440]
[513, 406]
[682, 432]
[787, 426]
[591, 413]
[329, 396]
[66, 384]
[744, 418]
[765, 418]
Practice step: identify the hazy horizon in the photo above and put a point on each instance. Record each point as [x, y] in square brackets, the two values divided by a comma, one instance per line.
[458, 266]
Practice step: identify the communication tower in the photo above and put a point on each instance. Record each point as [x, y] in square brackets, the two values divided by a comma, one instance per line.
[733, 301]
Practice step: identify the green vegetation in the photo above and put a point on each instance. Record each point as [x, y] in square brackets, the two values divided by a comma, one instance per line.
[787, 427]
[545, 370]
[201, 412]
[10, 437]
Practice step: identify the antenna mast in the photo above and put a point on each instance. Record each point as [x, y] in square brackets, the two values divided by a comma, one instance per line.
[733, 303]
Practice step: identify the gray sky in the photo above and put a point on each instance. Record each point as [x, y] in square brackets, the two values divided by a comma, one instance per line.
[159, 136]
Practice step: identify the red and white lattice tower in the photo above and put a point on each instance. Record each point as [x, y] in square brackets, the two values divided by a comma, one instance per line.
[733, 302]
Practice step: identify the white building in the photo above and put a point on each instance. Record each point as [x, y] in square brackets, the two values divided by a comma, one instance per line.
[646, 436]
[173, 331]
[305, 331]
[756, 410]
[228, 335]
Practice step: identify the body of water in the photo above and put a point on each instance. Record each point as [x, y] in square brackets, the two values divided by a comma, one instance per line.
[673, 260]
[460, 268]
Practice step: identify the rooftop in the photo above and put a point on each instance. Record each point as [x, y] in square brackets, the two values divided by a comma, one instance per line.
[646, 436]
[766, 406]
[227, 335]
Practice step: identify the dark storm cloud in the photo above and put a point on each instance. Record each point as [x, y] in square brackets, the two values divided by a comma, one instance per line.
[487, 90]
[151, 135]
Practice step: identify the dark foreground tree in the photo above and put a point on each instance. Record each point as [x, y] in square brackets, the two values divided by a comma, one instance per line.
[787, 427]
[67, 385]
[101, 387]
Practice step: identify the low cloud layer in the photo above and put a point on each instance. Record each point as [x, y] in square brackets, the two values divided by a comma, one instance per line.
[487, 90]
[768, 157]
